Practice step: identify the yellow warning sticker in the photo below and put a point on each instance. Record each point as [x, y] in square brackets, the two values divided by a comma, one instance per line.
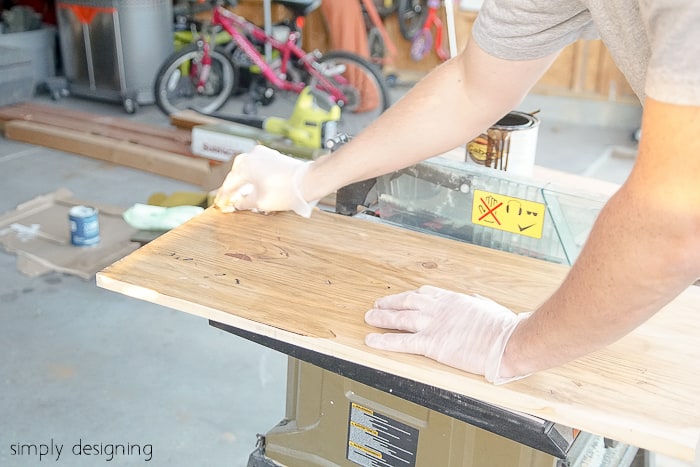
[364, 409]
[514, 215]
[369, 451]
[364, 428]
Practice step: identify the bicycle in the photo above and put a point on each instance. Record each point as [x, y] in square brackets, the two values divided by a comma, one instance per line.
[423, 39]
[382, 49]
[186, 25]
[202, 76]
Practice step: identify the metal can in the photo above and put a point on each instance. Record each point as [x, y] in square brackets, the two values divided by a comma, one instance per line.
[508, 145]
[84, 226]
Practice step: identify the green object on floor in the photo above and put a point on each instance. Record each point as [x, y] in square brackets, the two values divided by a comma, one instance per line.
[149, 217]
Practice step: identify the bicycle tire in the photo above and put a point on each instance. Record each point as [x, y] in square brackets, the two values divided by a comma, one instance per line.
[365, 102]
[412, 16]
[174, 90]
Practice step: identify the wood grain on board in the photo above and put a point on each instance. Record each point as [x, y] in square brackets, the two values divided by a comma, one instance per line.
[309, 282]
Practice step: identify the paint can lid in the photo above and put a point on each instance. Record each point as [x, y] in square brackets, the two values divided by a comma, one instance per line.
[516, 121]
[82, 211]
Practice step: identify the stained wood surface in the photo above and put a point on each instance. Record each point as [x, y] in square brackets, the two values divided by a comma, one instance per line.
[309, 282]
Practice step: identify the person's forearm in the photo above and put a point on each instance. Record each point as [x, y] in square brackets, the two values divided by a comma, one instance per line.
[453, 104]
[625, 274]
[642, 252]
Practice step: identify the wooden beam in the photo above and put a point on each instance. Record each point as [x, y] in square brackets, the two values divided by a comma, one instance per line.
[197, 171]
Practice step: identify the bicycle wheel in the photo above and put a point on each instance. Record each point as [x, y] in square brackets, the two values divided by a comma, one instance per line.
[412, 15]
[363, 86]
[177, 84]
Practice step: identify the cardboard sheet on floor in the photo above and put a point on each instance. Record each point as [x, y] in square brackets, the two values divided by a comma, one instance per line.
[38, 232]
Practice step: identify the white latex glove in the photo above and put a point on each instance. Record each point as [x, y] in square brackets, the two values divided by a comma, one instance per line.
[264, 180]
[462, 331]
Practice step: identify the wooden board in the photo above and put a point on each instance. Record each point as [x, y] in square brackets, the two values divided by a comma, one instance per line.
[195, 170]
[308, 282]
[174, 140]
[160, 150]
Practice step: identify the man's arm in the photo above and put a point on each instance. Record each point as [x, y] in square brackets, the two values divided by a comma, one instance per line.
[643, 251]
[450, 106]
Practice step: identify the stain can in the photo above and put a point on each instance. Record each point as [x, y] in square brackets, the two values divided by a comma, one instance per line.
[508, 145]
[84, 226]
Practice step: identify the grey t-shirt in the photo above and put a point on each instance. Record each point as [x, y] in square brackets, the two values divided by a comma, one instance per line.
[656, 44]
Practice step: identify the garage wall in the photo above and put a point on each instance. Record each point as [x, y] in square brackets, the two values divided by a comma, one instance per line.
[584, 69]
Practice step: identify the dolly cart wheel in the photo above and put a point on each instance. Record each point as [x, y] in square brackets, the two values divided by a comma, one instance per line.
[57, 87]
[131, 105]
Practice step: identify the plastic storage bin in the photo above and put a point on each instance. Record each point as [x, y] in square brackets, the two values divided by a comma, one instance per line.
[16, 78]
[40, 44]
[112, 50]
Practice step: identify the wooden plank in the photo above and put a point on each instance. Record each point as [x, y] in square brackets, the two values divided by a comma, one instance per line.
[188, 119]
[194, 170]
[99, 127]
[308, 282]
[30, 108]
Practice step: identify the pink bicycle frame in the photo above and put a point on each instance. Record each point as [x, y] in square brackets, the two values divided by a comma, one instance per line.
[234, 24]
[434, 20]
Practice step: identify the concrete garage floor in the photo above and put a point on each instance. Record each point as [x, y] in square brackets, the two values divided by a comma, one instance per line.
[82, 364]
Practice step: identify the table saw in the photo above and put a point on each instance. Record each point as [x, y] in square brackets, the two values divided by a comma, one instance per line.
[302, 287]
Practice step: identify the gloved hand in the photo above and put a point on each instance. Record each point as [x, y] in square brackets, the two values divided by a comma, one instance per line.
[264, 180]
[462, 331]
